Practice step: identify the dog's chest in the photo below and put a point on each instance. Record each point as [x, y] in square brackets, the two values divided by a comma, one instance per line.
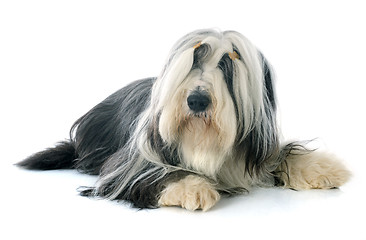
[201, 148]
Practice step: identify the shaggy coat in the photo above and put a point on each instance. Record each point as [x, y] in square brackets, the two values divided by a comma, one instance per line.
[205, 127]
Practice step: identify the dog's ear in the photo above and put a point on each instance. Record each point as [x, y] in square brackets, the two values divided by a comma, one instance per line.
[268, 76]
[201, 52]
[260, 144]
[263, 144]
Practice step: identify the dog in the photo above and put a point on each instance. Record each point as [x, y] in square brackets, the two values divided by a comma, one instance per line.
[205, 128]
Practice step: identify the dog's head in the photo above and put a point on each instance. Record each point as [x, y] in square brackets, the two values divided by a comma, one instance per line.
[215, 98]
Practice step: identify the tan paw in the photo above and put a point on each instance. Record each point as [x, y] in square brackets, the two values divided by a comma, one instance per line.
[192, 193]
[316, 171]
[324, 182]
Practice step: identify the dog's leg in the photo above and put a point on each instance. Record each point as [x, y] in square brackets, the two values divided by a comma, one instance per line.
[313, 170]
[191, 192]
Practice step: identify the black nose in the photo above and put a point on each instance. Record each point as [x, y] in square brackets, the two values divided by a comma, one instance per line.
[198, 102]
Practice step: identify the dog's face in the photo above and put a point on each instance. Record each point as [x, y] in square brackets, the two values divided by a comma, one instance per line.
[211, 96]
[201, 107]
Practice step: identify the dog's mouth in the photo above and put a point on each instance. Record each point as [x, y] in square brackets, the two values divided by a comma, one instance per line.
[203, 115]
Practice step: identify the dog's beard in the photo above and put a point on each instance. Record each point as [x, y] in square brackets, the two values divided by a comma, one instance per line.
[202, 146]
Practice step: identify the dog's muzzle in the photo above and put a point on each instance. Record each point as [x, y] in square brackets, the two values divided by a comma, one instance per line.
[198, 101]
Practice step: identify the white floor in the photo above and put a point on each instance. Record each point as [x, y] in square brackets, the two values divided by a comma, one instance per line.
[46, 205]
[58, 59]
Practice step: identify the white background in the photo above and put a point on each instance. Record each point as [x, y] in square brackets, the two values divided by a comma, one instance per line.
[60, 58]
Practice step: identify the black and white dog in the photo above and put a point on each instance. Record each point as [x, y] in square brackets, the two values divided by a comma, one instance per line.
[205, 127]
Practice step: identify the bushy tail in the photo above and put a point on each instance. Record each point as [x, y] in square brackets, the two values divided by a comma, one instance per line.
[62, 156]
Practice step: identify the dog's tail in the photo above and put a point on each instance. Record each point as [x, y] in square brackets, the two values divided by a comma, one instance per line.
[62, 156]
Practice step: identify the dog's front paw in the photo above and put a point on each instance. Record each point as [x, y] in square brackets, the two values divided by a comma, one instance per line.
[192, 193]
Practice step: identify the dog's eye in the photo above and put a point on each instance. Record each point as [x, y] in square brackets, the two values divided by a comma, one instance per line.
[200, 54]
[226, 66]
